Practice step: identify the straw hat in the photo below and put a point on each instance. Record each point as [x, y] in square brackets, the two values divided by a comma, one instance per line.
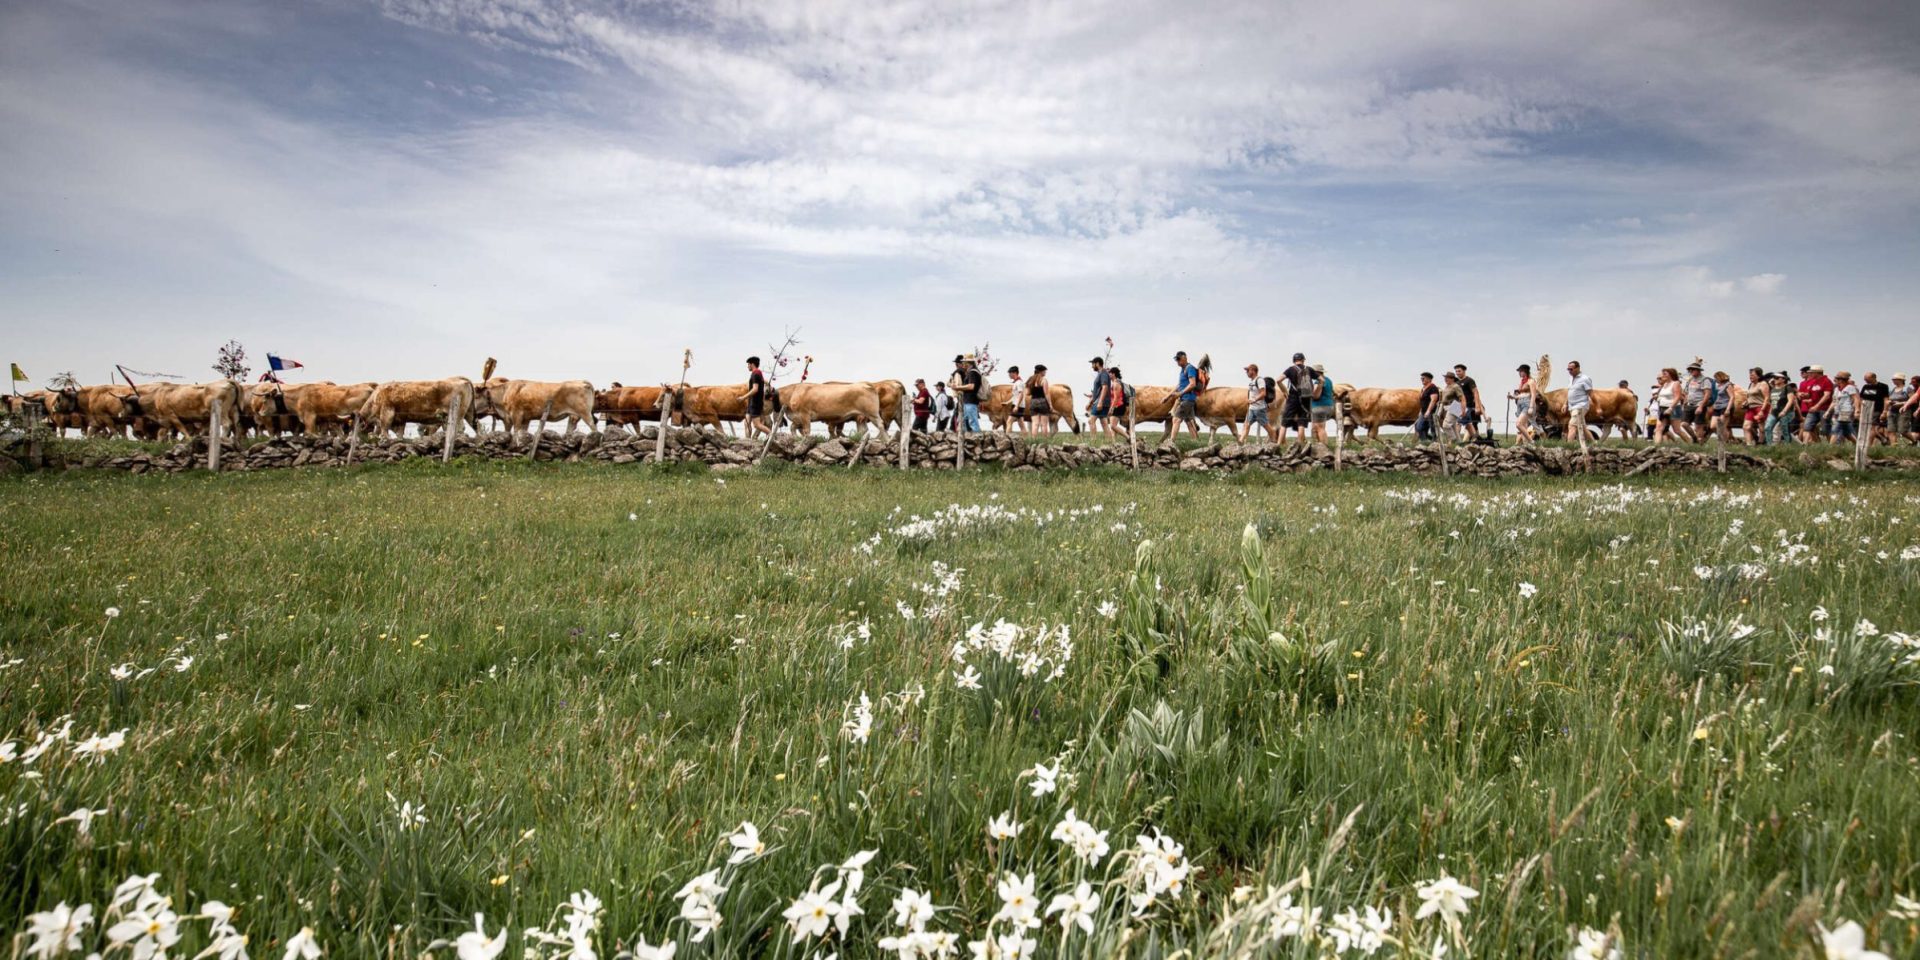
[1816, 368]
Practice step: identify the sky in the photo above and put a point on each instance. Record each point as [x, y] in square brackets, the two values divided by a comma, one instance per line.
[401, 188]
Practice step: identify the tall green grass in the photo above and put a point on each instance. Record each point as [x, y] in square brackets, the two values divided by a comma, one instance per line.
[587, 677]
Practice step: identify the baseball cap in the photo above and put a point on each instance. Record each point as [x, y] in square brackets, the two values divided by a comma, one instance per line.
[1299, 357]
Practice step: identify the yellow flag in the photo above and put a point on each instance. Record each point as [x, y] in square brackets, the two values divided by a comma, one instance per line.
[18, 374]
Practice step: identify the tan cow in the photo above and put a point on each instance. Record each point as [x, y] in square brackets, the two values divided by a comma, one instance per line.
[711, 405]
[627, 406]
[1154, 404]
[890, 393]
[323, 406]
[187, 408]
[830, 403]
[1376, 407]
[1611, 407]
[60, 407]
[1218, 407]
[522, 402]
[266, 411]
[417, 401]
[999, 405]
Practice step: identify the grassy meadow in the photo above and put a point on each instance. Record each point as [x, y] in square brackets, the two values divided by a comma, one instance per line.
[1253, 715]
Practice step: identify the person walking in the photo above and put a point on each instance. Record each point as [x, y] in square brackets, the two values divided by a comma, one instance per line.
[1720, 403]
[1453, 406]
[1900, 408]
[1119, 400]
[1297, 411]
[1753, 412]
[1873, 396]
[1783, 402]
[1579, 401]
[922, 404]
[1816, 403]
[1423, 424]
[1522, 398]
[756, 398]
[1260, 395]
[942, 408]
[1470, 403]
[971, 392]
[1693, 415]
[1845, 407]
[1667, 397]
[1321, 410]
[1016, 400]
[1039, 408]
[1098, 406]
[1188, 393]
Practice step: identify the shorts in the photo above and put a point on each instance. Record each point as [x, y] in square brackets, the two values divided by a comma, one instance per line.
[756, 407]
[1813, 422]
[1184, 409]
[1292, 417]
[1103, 409]
[1039, 408]
[1322, 414]
[1756, 414]
[1577, 422]
[1843, 429]
[1900, 421]
[1521, 406]
[1256, 416]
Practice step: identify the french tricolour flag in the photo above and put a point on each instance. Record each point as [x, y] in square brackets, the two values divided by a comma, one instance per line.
[278, 363]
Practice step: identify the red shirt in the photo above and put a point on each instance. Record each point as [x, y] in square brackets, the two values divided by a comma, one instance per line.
[1813, 390]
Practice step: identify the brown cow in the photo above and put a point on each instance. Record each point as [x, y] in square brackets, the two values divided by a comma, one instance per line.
[417, 401]
[1376, 407]
[999, 405]
[1611, 407]
[521, 402]
[266, 411]
[890, 392]
[627, 406]
[187, 408]
[830, 403]
[323, 406]
[709, 406]
[1218, 407]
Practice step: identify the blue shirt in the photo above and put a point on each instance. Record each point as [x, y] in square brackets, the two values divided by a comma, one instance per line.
[1325, 398]
[1580, 392]
[1189, 382]
[1101, 381]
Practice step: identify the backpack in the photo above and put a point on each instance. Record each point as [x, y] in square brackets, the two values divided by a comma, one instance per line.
[1204, 379]
[1126, 390]
[1266, 395]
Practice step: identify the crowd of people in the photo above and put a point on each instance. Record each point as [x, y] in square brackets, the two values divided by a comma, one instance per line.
[1771, 408]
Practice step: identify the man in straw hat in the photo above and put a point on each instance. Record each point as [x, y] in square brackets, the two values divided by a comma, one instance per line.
[969, 389]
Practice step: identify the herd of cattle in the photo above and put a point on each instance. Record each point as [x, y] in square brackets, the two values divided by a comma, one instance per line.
[158, 411]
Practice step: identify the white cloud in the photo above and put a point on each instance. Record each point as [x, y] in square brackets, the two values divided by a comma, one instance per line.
[1764, 284]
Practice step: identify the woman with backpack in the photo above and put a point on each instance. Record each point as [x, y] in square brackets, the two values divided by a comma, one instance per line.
[1119, 402]
[1039, 410]
[1260, 393]
[1322, 403]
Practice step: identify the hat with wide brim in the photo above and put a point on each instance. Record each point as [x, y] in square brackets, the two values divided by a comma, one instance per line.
[1816, 368]
[1319, 368]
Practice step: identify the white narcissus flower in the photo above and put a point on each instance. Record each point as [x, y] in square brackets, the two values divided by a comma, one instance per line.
[813, 912]
[1107, 609]
[968, 679]
[1591, 944]
[1847, 942]
[136, 890]
[1445, 896]
[302, 946]
[112, 612]
[1045, 779]
[746, 843]
[1076, 908]
[912, 909]
[1527, 591]
[1018, 905]
[1004, 827]
[645, 951]
[147, 931]
[1013, 946]
[705, 885]
[82, 819]
[476, 945]
[854, 869]
[57, 931]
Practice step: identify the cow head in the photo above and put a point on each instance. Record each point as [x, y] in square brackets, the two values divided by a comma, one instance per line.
[484, 399]
[678, 391]
[64, 400]
[131, 405]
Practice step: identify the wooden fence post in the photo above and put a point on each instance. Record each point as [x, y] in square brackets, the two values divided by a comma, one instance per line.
[666, 416]
[1339, 437]
[1133, 439]
[353, 441]
[906, 431]
[213, 438]
[545, 412]
[959, 434]
[453, 421]
[1863, 439]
